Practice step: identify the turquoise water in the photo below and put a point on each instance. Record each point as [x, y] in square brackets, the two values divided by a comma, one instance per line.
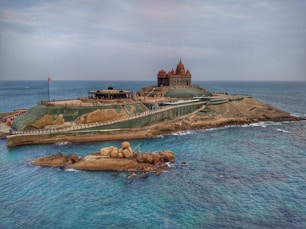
[250, 176]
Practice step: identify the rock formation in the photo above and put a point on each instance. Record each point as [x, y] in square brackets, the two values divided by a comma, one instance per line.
[111, 159]
[126, 150]
[47, 120]
[42, 122]
[232, 112]
[101, 115]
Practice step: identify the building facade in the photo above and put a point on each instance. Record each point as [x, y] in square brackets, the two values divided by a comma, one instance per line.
[110, 93]
[179, 77]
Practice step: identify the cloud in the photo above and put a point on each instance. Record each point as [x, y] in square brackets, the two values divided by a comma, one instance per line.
[171, 23]
[225, 37]
[261, 4]
[24, 17]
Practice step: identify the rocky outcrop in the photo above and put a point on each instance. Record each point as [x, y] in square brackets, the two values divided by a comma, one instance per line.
[57, 160]
[110, 159]
[44, 121]
[47, 120]
[59, 120]
[101, 115]
[240, 112]
[124, 152]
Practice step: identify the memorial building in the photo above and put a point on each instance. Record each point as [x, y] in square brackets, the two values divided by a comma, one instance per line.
[177, 78]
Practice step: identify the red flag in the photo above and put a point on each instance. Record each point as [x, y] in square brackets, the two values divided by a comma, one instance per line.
[49, 79]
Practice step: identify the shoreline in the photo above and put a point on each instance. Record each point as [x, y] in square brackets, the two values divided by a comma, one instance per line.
[152, 131]
[238, 113]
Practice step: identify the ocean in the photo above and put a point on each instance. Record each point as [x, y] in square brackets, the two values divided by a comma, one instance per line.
[250, 176]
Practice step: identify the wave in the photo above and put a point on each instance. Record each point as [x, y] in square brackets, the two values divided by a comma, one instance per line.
[224, 127]
[170, 165]
[298, 115]
[264, 124]
[215, 128]
[257, 124]
[282, 130]
[72, 170]
[187, 132]
[62, 143]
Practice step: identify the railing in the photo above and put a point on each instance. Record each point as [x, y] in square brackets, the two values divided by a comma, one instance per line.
[94, 103]
[97, 124]
[105, 123]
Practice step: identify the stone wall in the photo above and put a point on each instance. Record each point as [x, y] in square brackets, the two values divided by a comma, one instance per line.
[152, 118]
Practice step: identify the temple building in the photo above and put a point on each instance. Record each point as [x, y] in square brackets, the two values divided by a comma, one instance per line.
[179, 77]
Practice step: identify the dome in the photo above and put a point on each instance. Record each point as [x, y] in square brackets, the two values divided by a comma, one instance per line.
[180, 69]
[188, 73]
[162, 73]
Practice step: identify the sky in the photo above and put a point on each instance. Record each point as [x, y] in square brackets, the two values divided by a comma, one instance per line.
[224, 40]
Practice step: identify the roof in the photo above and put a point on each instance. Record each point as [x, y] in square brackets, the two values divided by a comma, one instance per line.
[107, 91]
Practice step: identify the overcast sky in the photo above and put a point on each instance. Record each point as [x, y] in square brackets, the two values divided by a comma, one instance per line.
[133, 40]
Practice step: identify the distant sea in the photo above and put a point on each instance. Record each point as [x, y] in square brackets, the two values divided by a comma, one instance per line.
[250, 176]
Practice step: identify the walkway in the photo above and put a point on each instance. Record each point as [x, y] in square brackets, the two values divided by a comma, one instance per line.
[98, 124]
[141, 115]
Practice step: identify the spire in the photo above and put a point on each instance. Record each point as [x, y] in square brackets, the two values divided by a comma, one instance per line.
[180, 69]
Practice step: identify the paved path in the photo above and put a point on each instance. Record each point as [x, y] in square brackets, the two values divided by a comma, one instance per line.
[99, 124]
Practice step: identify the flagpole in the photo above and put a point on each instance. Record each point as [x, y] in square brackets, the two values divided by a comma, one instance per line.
[49, 79]
[48, 91]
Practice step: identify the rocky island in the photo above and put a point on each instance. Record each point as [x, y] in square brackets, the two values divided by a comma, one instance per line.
[111, 159]
[173, 105]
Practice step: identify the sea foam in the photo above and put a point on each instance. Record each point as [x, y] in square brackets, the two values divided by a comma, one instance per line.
[62, 143]
[72, 170]
[282, 130]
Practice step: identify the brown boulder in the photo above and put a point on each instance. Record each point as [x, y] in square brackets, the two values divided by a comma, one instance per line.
[125, 145]
[110, 151]
[73, 158]
[105, 152]
[127, 153]
[167, 156]
[148, 158]
[114, 152]
[156, 158]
